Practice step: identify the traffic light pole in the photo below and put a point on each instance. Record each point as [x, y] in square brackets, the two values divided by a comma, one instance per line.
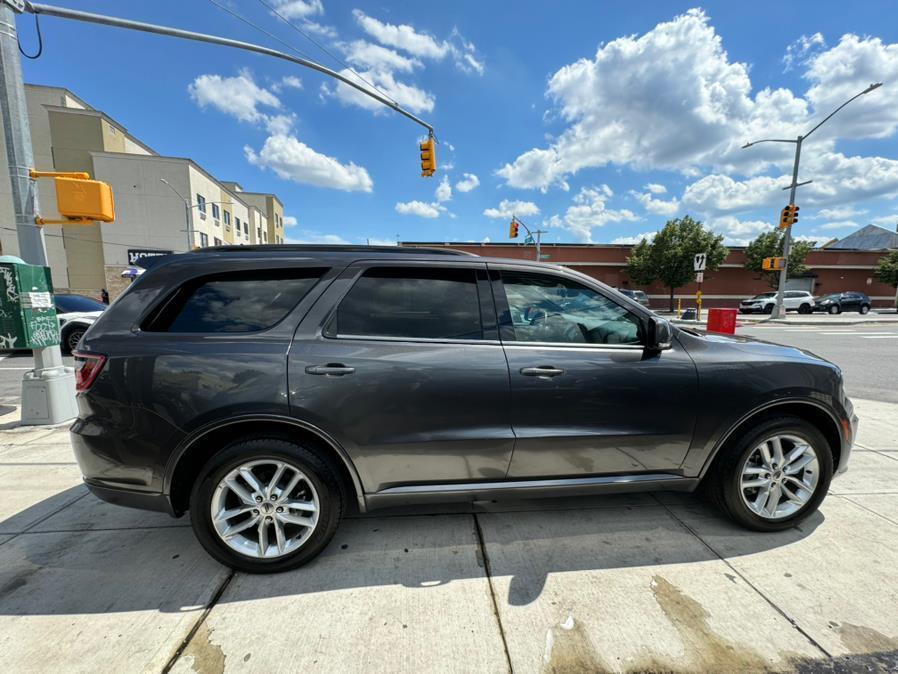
[780, 310]
[48, 391]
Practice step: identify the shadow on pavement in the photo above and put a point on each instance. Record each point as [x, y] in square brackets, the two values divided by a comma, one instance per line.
[92, 557]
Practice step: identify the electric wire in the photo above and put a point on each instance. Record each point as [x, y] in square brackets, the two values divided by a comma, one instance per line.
[40, 41]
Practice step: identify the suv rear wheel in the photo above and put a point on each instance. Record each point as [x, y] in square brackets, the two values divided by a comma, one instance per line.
[775, 475]
[265, 505]
[768, 309]
[804, 308]
[865, 308]
[835, 309]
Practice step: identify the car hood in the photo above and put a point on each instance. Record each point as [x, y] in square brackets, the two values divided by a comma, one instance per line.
[752, 347]
[80, 316]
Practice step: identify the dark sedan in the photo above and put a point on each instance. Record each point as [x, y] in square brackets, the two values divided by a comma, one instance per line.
[839, 302]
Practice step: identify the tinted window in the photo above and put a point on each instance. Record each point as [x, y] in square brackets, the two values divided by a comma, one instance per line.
[238, 302]
[70, 303]
[411, 303]
[555, 309]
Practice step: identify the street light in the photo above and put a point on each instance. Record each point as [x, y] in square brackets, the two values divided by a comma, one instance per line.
[780, 311]
[187, 213]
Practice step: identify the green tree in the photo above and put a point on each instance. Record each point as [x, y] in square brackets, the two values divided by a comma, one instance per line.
[770, 244]
[670, 255]
[887, 271]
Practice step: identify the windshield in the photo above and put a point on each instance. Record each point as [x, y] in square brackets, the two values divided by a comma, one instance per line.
[71, 303]
[763, 295]
[829, 297]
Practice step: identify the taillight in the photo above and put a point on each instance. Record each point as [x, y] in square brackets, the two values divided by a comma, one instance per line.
[87, 368]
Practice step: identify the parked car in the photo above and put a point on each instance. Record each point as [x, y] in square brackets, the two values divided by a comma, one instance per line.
[270, 390]
[637, 295]
[794, 300]
[76, 313]
[847, 301]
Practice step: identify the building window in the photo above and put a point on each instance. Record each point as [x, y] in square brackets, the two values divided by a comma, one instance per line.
[227, 218]
[215, 212]
[265, 237]
[204, 240]
[201, 203]
[246, 227]
[258, 234]
[217, 241]
[237, 223]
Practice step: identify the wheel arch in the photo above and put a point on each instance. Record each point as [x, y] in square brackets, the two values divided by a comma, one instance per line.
[192, 454]
[811, 411]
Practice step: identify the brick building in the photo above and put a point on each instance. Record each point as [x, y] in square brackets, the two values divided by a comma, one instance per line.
[831, 270]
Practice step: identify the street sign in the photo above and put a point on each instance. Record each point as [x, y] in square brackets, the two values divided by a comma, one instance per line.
[543, 257]
[701, 260]
[699, 276]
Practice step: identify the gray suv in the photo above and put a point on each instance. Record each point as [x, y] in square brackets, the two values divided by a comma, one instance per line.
[270, 390]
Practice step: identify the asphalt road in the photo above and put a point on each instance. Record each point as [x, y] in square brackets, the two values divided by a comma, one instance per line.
[867, 354]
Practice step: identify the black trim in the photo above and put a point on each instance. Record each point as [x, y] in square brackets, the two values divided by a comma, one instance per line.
[132, 499]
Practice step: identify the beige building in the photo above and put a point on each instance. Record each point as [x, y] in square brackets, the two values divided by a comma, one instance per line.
[163, 204]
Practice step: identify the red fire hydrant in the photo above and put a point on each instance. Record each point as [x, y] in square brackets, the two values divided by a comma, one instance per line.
[722, 320]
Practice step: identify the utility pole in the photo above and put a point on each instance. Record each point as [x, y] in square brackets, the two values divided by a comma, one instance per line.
[780, 309]
[188, 213]
[48, 391]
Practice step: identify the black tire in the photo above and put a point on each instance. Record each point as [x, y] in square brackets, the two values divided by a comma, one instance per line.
[804, 309]
[320, 473]
[725, 481]
[768, 309]
[865, 308]
[71, 337]
[835, 309]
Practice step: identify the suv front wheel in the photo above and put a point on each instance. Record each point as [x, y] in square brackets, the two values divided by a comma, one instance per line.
[775, 475]
[265, 505]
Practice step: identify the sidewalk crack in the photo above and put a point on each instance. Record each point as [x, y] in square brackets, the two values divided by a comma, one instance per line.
[489, 579]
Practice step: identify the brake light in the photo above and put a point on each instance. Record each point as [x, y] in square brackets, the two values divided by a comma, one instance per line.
[87, 368]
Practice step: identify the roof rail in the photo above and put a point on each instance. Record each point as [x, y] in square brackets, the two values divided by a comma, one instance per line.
[322, 248]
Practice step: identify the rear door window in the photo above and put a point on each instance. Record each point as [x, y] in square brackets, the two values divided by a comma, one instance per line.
[234, 302]
[410, 303]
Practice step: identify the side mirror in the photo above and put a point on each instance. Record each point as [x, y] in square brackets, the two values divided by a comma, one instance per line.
[660, 334]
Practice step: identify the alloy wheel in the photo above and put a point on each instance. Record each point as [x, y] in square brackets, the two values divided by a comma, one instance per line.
[779, 476]
[265, 509]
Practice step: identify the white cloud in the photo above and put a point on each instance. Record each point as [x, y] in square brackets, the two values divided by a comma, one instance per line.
[381, 242]
[509, 208]
[280, 124]
[419, 208]
[290, 221]
[290, 82]
[402, 37]
[839, 213]
[885, 220]
[407, 95]
[299, 9]
[237, 96]
[316, 237]
[375, 57]
[468, 182]
[588, 212]
[485, 239]
[444, 190]
[449, 145]
[737, 232]
[632, 240]
[293, 160]
[655, 188]
[319, 29]
[656, 206]
[844, 224]
[464, 54]
[799, 51]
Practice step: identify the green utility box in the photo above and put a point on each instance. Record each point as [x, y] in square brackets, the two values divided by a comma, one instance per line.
[27, 313]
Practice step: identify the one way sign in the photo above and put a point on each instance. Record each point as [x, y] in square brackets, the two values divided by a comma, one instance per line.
[700, 261]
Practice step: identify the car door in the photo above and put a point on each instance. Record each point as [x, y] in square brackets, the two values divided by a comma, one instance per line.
[402, 364]
[850, 302]
[587, 398]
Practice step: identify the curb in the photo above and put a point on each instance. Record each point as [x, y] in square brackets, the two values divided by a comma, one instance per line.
[781, 322]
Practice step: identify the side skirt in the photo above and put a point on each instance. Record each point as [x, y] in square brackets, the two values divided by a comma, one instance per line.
[477, 491]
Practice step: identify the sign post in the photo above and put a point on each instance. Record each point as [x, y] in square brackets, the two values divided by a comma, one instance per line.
[699, 264]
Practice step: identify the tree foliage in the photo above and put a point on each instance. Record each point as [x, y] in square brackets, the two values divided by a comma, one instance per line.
[770, 244]
[887, 269]
[669, 257]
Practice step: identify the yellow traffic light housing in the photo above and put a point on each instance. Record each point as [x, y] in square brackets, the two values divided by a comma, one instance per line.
[788, 216]
[428, 158]
[80, 200]
[513, 230]
[773, 263]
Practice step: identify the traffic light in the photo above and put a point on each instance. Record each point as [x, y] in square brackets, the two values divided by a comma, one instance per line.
[788, 216]
[773, 263]
[428, 158]
[513, 229]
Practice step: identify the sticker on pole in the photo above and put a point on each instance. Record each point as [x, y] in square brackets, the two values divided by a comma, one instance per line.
[701, 260]
[699, 276]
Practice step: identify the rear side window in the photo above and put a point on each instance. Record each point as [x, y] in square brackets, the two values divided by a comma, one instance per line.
[234, 302]
[410, 303]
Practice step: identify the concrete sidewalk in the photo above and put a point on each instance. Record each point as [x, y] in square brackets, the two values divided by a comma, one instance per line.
[626, 583]
[873, 318]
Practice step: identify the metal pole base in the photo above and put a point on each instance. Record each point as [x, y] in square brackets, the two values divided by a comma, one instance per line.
[48, 396]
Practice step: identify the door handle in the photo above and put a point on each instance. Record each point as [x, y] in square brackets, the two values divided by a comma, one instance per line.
[541, 371]
[331, 369]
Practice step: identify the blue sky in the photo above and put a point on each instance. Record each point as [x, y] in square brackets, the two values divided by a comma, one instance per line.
[595, 121]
